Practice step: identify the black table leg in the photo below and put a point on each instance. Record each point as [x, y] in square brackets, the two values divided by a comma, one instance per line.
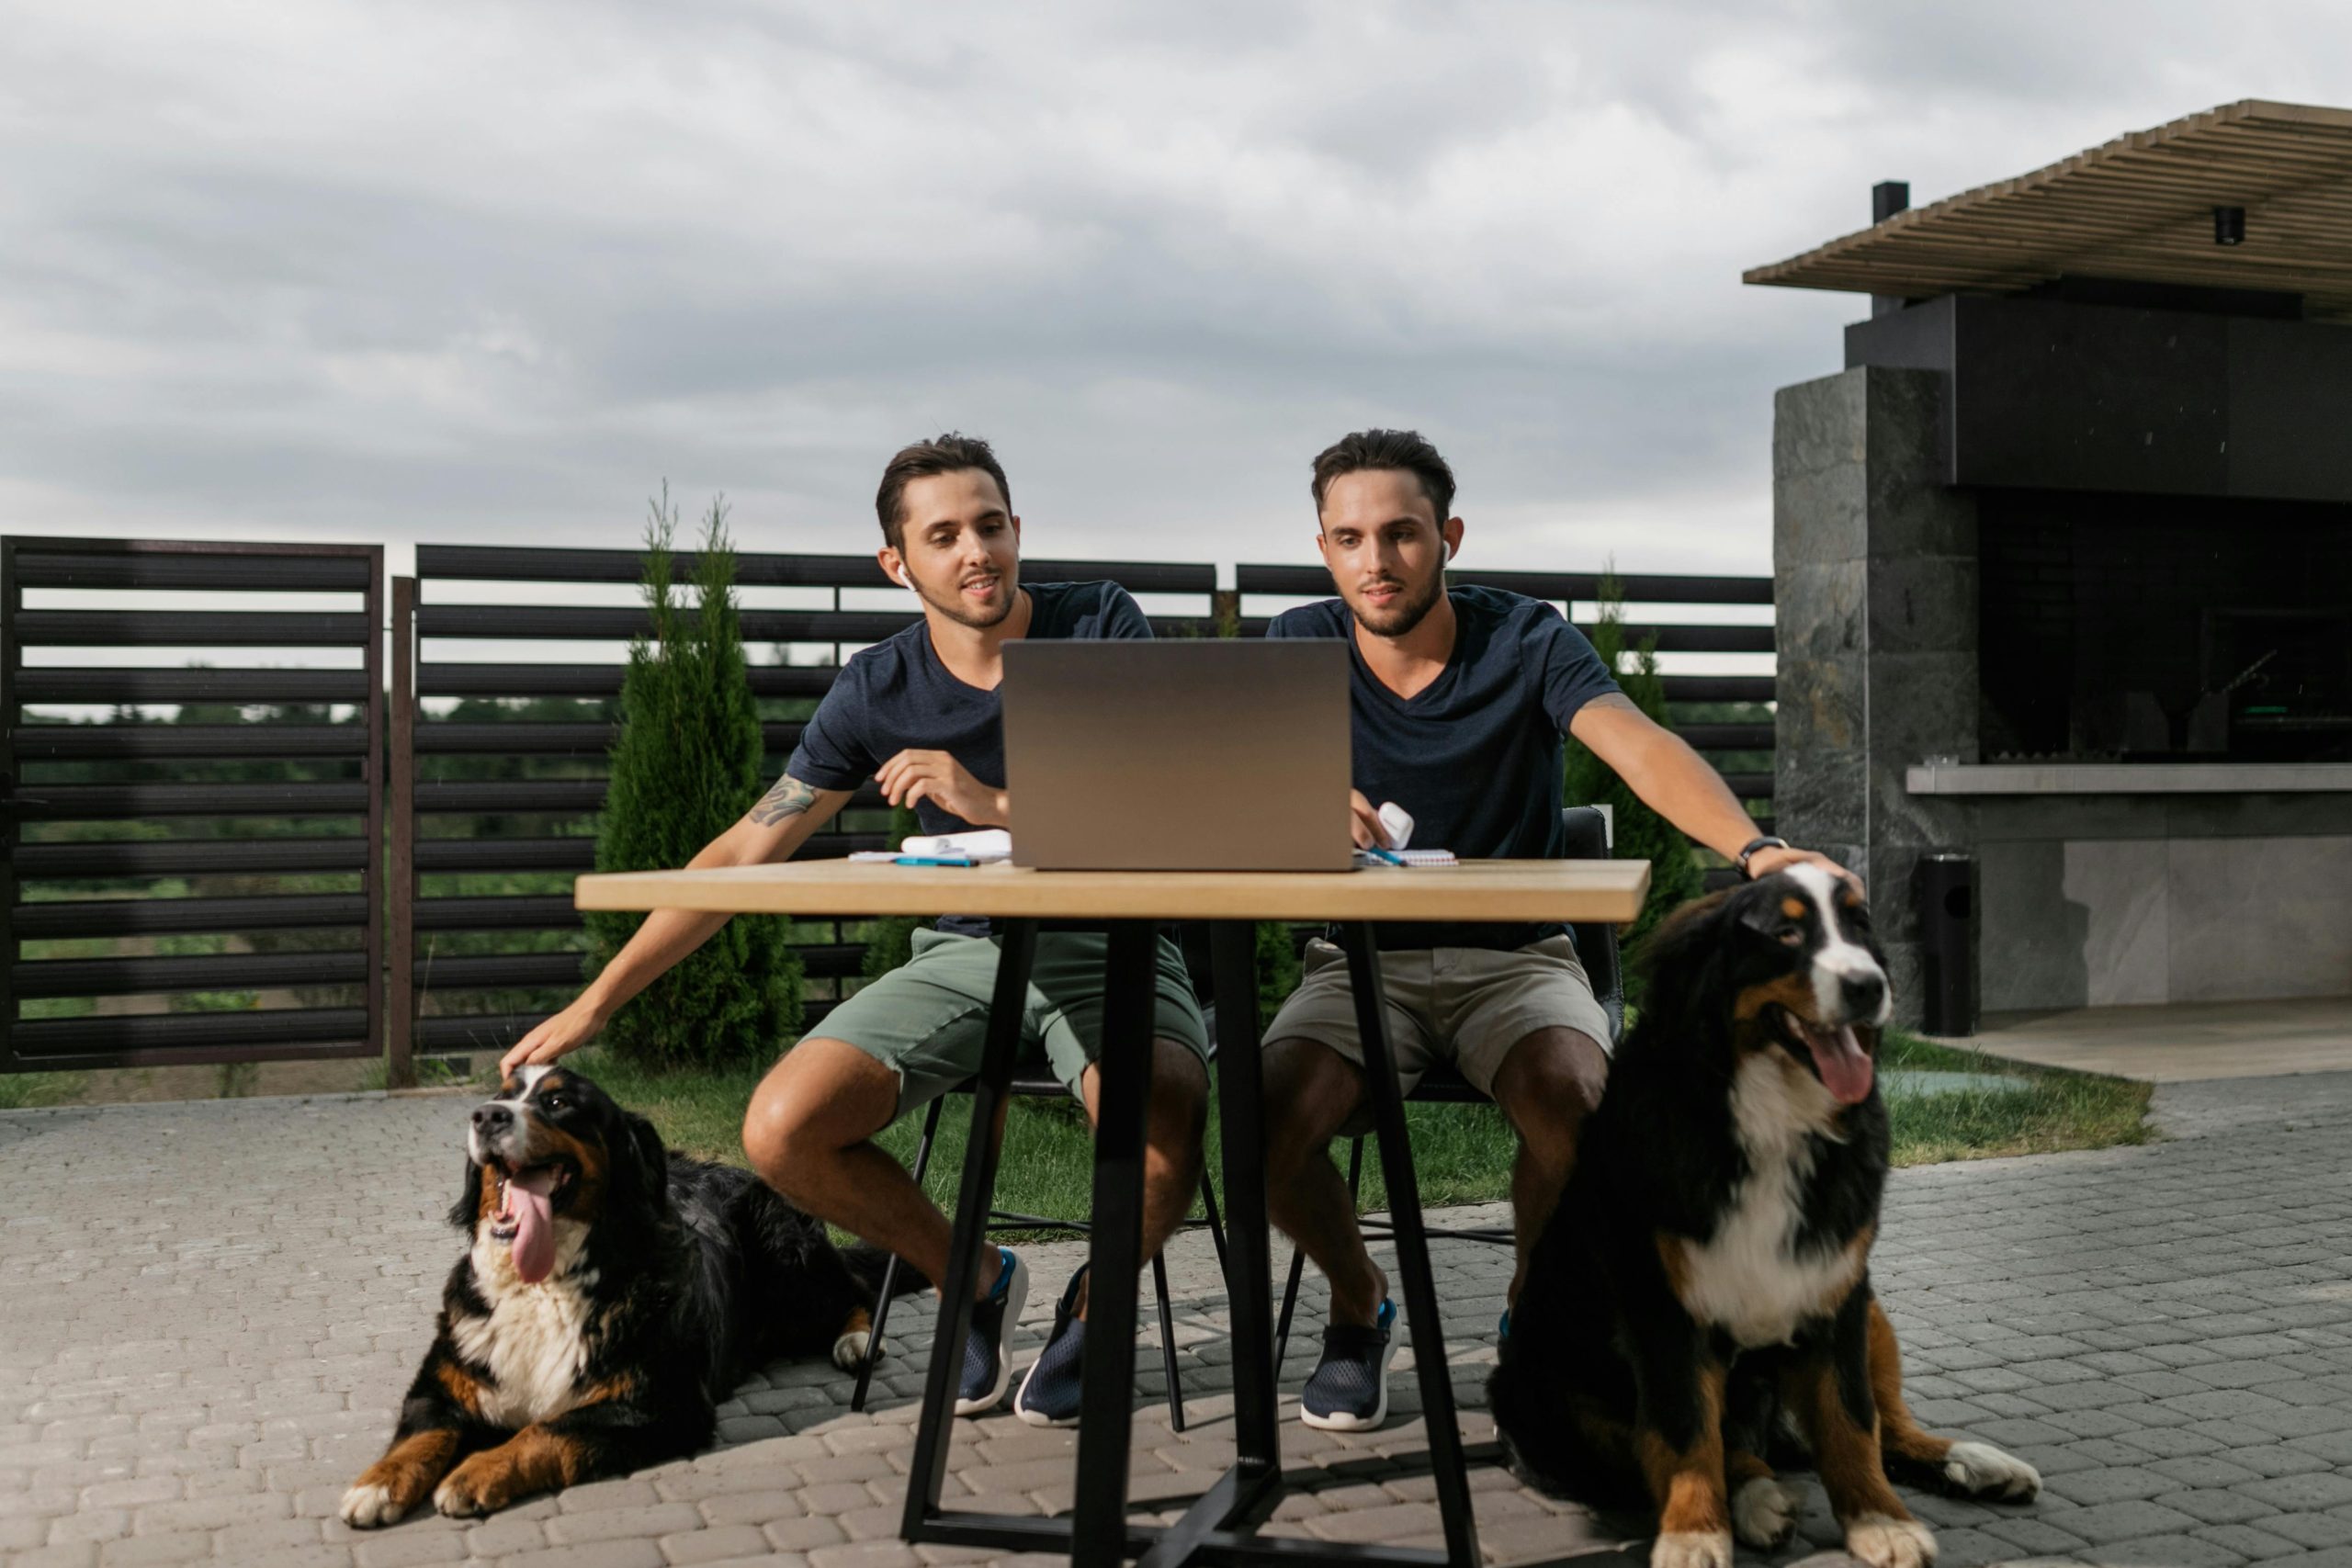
[1018, 940]
[1249, 1268]
[1099, 1527]
[1446, 1463]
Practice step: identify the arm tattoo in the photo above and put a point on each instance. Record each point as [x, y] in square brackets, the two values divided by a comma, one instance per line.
[790, 798]
[1612, 700]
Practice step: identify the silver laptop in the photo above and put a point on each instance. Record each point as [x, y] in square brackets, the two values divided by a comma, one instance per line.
[1184, 755]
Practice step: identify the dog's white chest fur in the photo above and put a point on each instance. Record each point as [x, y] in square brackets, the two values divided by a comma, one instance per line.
[1750, 1279]
[534, 1341]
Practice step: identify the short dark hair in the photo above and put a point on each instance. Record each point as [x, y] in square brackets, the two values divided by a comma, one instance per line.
[948, 454]
[1407, 449]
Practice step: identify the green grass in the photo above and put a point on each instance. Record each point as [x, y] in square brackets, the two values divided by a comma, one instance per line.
[1462, 1154]
[2050, 1108]
[21, 1091]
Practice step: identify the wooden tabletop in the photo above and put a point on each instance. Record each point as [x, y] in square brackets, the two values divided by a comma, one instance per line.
[1563, 890]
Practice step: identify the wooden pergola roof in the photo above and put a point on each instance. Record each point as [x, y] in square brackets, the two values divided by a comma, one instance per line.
[2139, 208]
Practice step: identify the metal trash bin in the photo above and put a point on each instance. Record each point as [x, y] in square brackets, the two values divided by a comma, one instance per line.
[1944, 887]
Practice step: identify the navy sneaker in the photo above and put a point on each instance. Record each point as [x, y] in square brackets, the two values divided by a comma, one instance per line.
[1051, 1395]
[988, 1370]
[1348, 1391]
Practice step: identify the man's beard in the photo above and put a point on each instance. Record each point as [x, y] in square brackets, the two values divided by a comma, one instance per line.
[955, 611]
[1401, 617]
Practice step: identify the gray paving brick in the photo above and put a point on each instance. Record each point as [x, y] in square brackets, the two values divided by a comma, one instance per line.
[2318, 1489]
[2168, 1552]
[2106, 1523]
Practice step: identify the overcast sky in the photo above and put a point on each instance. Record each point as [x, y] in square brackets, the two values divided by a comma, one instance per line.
[489, 272]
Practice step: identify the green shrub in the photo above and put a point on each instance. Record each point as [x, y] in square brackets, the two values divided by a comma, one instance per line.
[686, 764]
[1638, 832]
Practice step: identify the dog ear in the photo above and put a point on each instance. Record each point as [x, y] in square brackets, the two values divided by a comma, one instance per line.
[646, 1154]
[1764, 916]
[1686, 930]
[465, 1213]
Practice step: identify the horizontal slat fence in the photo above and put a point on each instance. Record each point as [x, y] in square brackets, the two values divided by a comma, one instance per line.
[483, 930]
[226, 860]
[201, 891]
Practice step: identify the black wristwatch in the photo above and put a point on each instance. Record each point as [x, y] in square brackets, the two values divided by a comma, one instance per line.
[1761, 842]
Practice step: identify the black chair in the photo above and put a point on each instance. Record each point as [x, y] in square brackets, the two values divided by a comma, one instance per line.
[1587, 836]
[1039, 1083]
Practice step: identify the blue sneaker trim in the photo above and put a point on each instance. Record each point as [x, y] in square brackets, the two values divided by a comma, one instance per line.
[988, 1369]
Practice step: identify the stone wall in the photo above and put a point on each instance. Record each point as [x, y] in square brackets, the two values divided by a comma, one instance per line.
[1874, 592]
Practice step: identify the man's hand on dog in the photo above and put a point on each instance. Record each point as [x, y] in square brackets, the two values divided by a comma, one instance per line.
[1765, 861]
[568, 1031]
[939, 778]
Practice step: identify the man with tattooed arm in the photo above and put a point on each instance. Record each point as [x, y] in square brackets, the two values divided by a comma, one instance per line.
[920, 714]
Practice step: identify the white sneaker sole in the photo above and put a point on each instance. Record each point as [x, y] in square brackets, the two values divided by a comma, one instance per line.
[1345, 1423]
[1037, 1418]
[1016, 1293]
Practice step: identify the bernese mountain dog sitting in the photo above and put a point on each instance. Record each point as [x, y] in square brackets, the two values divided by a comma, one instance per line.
[613, 1293]
[1703, 1287]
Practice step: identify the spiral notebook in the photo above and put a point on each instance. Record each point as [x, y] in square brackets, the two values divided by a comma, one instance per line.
[1408, 859]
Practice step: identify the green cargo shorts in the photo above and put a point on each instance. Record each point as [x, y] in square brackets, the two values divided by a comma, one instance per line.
[928, 1018]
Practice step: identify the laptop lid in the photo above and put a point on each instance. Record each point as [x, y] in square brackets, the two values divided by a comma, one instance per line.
[1196, 754]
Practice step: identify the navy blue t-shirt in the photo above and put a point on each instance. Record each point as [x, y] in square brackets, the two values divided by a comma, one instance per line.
[1474, 756]
[897, 696]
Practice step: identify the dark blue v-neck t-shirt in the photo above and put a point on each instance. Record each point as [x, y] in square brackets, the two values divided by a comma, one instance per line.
[1475, 756]
[897, 696]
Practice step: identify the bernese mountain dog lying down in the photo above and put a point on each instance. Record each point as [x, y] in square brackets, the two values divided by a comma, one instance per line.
[1702, 1294]
[613, 1293]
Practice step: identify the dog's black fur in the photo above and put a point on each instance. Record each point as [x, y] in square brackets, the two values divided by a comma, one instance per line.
[1705, 1272]
[671, 1279]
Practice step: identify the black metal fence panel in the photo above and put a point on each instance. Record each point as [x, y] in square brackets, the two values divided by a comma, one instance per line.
[203, 886]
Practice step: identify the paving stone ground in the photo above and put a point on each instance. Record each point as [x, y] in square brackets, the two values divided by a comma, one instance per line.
[208, 1311]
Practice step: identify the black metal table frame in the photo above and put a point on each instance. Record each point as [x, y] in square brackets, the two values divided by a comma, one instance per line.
[1221, 1526]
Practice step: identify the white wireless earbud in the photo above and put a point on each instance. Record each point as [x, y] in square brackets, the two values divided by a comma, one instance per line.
[905, 582]
[1449, 549]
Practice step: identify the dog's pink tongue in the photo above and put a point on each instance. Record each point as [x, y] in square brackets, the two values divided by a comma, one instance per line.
[533, 1249]
[1845, 1066]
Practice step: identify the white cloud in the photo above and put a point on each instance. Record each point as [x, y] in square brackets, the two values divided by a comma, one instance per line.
[466, 271]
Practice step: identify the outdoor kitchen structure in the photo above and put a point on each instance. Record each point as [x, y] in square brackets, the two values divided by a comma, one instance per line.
[2062, 564]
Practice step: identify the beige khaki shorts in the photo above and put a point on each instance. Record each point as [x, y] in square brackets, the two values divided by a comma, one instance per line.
[1467, 1006]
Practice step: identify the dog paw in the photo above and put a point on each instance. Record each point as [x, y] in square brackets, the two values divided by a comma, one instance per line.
[1884, 1542]
[849, 1350]
[1692, 1549]
[366, 1507]
[470, 1492]
[1764, 1512]
[1980, 1470]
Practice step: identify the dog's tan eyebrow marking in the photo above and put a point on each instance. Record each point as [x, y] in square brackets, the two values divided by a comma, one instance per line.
[1792, 907]
[1788, 990]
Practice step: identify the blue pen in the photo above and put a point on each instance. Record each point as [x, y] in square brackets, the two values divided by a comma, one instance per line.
[931, 860]
[1386, 855]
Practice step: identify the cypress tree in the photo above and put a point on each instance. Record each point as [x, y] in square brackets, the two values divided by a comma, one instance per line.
[1639, 833]
[686, 764]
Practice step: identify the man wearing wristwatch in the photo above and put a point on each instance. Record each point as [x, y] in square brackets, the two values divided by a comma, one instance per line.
[1460, 699]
